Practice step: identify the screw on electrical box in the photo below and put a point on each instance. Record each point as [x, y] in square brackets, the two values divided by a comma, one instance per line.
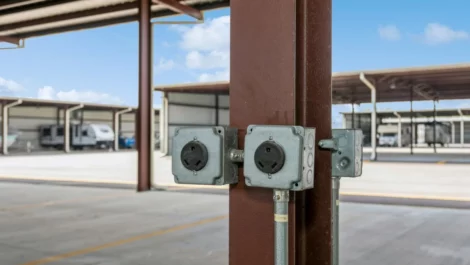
[205, 155]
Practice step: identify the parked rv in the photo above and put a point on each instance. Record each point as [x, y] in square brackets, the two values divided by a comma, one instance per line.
[442, 134]
[81, 136]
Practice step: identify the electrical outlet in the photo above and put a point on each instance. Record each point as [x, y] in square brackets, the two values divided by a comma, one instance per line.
[201, 155]
[279, 157]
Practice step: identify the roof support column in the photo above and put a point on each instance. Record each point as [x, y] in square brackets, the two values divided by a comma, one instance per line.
[67, 137]
[399, 128]
[164, 125]
[462, 128]
[353, 116]
[434, 127]
[283, 83]
[411, 121]
[116, 121]
[373, 123]
[145, 111]
[5, 118]
[453, 132]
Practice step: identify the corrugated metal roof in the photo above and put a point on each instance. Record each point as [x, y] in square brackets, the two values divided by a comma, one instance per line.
[32, 18]
[442, 82]
[32, 102]
[416, 113]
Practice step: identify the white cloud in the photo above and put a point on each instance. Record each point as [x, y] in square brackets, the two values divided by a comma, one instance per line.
[213, 35]
[389, 32]
[210, 60]
[165, 65]
[436, 33]
[207, 46]
[9, 85]
[217, 76]
[48, 92]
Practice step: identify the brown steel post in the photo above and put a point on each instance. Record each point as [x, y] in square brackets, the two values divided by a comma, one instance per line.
[143, 118]
[281, 74]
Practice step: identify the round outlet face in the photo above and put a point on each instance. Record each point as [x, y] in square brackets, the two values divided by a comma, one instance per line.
[194, 156]
[269, 157]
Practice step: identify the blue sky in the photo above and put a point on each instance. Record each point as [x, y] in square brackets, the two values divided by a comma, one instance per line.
[101, 65]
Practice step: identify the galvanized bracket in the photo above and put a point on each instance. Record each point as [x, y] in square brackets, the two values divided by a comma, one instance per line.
[346, 152]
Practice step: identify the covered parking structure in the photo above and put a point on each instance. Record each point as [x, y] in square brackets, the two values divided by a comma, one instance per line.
[21, 20]
[26, 114]
[457, 119]
[433, 83]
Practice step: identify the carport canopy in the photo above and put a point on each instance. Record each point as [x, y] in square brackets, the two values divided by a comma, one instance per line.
[22, 19]
[443, 82]
[427, 113]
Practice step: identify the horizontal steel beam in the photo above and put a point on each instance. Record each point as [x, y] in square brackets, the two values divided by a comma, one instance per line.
[180, 8]
[11, 40]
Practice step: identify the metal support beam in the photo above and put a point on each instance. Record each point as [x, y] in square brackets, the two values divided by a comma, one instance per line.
[353, 117]
[462, 128]
[164, 125]
[144, 134]
[67, 113]
[181, 8]
[5, 123]
[453, 132]
[411, 121]
[10, 40]
[373, 123]
[434, 127]
[285, 82]
[399, 128]
[116, 121]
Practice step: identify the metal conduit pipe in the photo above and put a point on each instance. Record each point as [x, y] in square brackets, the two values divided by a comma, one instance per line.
[67, 113]
[373, 137]
[5, 118]
[117, 118]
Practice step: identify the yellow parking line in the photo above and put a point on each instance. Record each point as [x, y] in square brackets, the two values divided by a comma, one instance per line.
[442, 162]
[122, 241]
[406, 196]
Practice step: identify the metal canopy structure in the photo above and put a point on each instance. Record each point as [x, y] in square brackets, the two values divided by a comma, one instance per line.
[392, 85]
[31, 102]
[23, 19]
[426, 113]
[33, 18]
[68, 106]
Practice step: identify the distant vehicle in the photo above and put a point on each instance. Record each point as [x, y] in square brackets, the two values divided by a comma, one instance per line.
[126, 142]
[81, 136]
[442, 134]
[13, 135]
[388, 135]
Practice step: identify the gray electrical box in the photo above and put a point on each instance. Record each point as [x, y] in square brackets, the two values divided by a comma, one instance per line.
[279, 157]
[201, 155]
[346, 157]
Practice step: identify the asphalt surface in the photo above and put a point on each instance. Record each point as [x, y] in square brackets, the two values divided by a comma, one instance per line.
[48, 225]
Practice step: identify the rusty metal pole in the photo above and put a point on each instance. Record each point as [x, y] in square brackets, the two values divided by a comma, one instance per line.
[282, 82]
[144, 112]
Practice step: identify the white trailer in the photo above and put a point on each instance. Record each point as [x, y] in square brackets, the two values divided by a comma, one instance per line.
[81, 136]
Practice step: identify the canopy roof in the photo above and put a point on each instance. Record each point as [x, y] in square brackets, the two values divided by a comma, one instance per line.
[20, 19]
[392, 85]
